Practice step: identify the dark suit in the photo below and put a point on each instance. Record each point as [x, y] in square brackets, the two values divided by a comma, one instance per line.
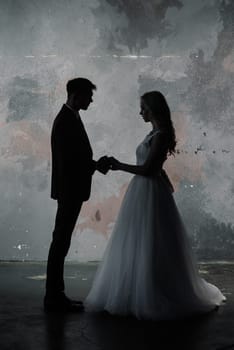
[72, 170]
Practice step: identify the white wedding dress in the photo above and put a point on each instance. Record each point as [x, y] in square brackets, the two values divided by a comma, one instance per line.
[148, 269]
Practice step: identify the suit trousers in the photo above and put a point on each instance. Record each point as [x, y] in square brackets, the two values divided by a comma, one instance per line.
[67, 213]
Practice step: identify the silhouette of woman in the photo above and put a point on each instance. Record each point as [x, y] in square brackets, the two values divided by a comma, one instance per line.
[148, 269]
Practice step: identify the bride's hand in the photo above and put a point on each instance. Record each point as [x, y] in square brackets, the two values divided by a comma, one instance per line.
[114, 163]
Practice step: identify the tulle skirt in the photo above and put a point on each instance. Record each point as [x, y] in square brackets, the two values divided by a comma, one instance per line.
[148, 268]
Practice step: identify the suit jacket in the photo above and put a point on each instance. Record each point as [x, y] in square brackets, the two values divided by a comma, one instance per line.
[72, 163]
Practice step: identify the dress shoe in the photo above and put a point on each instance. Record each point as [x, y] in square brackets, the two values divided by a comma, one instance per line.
[62, 305]
[79, 302]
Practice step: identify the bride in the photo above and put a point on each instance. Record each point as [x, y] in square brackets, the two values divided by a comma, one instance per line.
[148, 269]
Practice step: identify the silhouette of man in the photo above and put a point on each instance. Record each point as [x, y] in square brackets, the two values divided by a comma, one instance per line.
[72, 170]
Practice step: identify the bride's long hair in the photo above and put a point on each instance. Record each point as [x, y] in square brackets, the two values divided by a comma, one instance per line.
[160, 109]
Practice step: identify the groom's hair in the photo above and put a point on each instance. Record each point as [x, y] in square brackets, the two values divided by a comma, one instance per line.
[79, 86]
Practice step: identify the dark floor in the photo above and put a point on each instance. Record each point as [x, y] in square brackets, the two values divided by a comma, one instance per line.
[23, 324]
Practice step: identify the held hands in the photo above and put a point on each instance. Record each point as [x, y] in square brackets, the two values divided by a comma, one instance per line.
[114, 163]
[104, 164]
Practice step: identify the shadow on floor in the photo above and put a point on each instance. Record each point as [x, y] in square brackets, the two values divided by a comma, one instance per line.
[24, 325]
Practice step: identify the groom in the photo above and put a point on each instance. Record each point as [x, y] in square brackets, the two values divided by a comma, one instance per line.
[72, 170]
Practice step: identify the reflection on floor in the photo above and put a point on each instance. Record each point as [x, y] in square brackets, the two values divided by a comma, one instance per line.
[23, 324]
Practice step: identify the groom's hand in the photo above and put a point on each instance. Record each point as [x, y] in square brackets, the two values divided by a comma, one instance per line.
[114, 163]
[103, 165]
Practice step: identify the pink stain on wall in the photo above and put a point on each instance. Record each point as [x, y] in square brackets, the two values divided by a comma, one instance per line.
[100, 215]
[28, 139]
[228, 63]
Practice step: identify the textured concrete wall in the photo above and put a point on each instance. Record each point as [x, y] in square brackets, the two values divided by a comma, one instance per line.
[183, 48]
